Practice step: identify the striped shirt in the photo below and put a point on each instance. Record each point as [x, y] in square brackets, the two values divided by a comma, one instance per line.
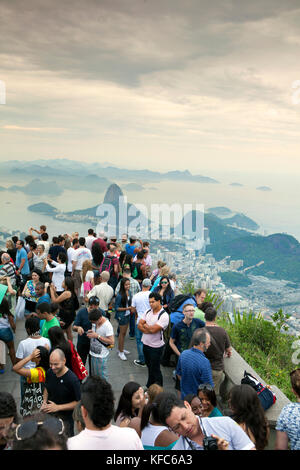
[194, 369]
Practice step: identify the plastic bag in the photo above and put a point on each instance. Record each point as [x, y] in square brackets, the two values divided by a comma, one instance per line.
[20, 308]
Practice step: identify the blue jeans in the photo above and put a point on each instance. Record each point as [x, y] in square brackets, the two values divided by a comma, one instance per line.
[139, 344]
[132, 326]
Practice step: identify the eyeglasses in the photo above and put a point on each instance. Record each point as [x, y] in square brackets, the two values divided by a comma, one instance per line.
[164, 282]
[29, 428]
[205, 387]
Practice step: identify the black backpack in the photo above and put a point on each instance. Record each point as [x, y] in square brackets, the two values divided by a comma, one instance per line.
[178, 300]
[107, 264]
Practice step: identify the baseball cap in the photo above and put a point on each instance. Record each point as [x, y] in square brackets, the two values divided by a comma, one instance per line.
[94, 300]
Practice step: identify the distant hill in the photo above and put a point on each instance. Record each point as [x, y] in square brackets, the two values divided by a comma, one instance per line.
[43, 208]
[242, 221]
[220, 211]
[36, 187]
[279, 252]
[69, 169]
[235, 279]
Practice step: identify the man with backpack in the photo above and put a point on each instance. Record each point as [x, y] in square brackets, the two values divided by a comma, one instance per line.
[152, 324]
[179, 301]
[110, 263]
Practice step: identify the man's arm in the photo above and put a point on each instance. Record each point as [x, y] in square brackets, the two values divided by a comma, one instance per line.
[174, 347]
[282, 441]
[145, 328]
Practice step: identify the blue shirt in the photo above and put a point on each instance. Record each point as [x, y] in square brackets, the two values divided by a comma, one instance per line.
[178, 316]
[130, 249]
[182, 333]
[22, 254]
[194, 369]
[44, 298]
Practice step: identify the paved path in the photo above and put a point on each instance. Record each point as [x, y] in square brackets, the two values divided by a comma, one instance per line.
[120, 372]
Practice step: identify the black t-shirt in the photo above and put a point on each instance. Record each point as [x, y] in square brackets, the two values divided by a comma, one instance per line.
[54, 250]
[82, 319]
[61, 390]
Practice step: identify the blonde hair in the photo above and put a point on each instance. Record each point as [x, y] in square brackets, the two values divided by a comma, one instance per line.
[86, 266]
[10, 244]
[164, 271]
[160, 264]
[153, 391]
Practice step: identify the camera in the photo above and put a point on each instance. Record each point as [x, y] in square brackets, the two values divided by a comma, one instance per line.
[210, 443]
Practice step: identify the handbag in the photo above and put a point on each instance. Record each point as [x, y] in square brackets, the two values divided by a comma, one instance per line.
[77, 365]
[20, 308]
[265, 394]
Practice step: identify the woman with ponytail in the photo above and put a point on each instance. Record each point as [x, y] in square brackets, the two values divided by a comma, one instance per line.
[154, 435]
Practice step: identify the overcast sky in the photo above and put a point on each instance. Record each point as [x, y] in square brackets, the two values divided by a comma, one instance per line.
[158, 84]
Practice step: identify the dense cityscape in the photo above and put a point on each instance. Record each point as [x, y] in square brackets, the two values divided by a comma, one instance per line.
[193, 264]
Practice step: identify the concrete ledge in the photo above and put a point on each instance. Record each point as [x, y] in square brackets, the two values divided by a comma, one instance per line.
[234, 372]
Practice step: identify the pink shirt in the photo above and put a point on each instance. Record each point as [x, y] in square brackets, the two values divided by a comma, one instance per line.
[155, 340]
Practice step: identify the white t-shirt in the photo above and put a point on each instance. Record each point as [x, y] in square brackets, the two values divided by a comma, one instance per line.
[58, 274]
[81, 255]
[89, 241]
[104, 292]
[155, 340]
[70, 252]
[222, 426]
[27, 346]
[141, 302]
[113, 438]
[97, 349]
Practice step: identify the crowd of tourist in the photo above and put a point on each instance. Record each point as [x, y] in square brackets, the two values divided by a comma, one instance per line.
[93, 290]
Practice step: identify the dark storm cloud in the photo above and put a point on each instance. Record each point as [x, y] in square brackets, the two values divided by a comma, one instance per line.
[123, 39]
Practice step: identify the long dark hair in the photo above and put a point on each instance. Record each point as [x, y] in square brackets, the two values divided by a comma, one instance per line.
[59, 341]
[123, 294]
[44, 358]
[247, 410]
[4, 308]
[125, 401]
[97, 254]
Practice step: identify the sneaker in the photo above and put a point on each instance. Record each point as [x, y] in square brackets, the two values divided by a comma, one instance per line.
[122, 356]
[139, 363]
[125, 351]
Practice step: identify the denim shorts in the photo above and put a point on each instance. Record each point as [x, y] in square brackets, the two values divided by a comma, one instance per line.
[6, 335]
[122, 318]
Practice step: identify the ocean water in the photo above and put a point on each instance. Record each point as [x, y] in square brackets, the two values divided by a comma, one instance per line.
[275, 211]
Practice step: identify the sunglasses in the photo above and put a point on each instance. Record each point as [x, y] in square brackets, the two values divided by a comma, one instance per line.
[29, 428]
[164, 282]
[205, 387]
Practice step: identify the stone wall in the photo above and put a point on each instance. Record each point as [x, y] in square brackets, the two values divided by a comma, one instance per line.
[234, 372]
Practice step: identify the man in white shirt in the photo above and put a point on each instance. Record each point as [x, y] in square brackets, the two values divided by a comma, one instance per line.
[179, 417]
[152, 324]
[102, 339]
[89, 240]
[103, 291]
[81, 254]
[70, 253]
[140, 302]
[97, 408]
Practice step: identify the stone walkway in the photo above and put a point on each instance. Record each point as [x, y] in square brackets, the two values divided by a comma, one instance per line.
[120, 372]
